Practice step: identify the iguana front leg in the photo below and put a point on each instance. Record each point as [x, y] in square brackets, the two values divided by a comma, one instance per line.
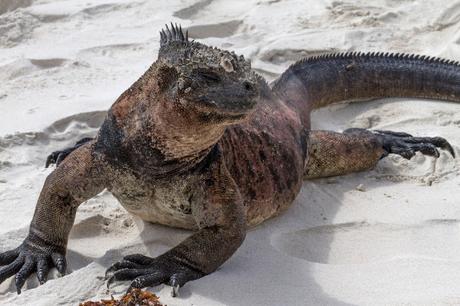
[76, 180]
[218, 210]
[332, 154]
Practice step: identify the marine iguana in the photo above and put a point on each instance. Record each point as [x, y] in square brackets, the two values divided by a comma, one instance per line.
[202, 142]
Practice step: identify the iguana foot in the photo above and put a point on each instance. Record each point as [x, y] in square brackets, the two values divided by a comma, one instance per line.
[407, 145]
[33, 255]
[145, 271]
[58, 156]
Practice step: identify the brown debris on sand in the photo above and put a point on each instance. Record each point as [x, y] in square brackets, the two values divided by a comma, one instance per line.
[136, 297]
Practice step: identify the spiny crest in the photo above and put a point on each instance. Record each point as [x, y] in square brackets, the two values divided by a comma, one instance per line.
[380, 55]
[174, 34]
[177, 50]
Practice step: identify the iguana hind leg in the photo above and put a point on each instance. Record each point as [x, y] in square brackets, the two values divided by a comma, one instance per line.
[332, 154]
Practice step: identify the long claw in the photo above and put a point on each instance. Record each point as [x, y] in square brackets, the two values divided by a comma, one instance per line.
[175, 287]
[110, 281]
[449, 149]
[25, 271]
[149, 280]
[121, 265]
[50, 160]
[108, 274]
[59, 262]
[125, 274]
[42, 271]
[60, 158]
[444, 144]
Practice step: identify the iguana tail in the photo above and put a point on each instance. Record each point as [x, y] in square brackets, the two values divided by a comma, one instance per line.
[319, 81]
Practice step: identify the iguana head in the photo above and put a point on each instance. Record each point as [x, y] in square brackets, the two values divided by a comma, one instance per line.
[216, 83]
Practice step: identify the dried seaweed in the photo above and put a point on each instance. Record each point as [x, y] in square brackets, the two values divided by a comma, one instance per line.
[136, 297]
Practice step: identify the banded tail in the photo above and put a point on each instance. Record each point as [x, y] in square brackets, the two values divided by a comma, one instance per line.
[332, 78]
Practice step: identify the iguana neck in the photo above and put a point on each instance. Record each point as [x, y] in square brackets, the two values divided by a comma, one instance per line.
[180, 133]
[148, 111]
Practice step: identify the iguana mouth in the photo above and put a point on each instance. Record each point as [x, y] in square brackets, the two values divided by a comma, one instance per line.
[234, 109]
[225, 117]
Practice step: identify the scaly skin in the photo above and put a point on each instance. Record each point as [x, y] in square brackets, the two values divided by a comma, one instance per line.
[201, 142]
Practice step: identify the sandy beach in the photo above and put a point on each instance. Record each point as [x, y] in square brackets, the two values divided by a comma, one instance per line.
[390, 236]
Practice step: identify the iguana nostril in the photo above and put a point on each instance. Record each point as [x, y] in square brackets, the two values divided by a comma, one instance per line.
[247, 85]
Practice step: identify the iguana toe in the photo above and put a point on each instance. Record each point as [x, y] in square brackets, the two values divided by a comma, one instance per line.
[42, 270]
[59, 262]
[11, 270]
[120, 265]
[26, 270]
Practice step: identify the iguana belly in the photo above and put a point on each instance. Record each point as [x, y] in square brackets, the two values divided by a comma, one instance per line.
[160, 202]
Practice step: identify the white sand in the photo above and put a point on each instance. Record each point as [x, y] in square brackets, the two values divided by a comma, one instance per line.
[397, 242]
